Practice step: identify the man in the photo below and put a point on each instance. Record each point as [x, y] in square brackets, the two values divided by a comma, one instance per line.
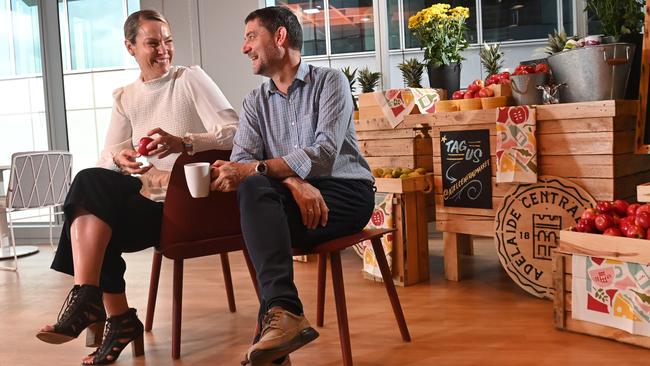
[298, 172]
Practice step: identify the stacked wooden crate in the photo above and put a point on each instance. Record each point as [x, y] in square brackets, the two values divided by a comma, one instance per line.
[589, 143]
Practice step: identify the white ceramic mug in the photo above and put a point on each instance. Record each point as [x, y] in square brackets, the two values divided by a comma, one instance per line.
[197, 176]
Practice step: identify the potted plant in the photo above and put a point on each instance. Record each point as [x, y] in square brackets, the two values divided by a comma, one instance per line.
[622, 21]
[351, 76]
[441, 32]
[412, 72]
[368, 80]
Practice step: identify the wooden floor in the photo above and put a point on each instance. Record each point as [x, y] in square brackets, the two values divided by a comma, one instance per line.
[484, 320]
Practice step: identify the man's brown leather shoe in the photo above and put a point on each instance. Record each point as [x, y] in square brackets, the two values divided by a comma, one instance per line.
[282, 333]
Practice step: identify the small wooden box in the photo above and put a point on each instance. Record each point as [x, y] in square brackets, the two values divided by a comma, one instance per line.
[370, 108]
[610, 247]
[411, 240]
[643, 192]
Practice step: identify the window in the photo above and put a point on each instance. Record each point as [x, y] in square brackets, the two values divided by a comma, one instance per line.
[567, 16]
[511, 20]
[351, 26]
[26, 39]
[311, 15]
[411, 7]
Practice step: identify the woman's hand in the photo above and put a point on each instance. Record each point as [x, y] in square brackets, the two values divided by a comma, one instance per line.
[164, 144]
[125, 160]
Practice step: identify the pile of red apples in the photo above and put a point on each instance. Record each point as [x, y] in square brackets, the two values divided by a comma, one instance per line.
[618, 218]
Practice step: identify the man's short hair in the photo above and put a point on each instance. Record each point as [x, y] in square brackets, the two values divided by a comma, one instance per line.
[274, 17]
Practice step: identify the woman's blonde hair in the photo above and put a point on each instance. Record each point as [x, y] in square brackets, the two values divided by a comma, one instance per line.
[132, 23]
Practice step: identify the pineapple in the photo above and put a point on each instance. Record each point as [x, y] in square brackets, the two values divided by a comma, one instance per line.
[556, 42]
[491, 58]
[412, 72]
[351, 76]
[368, 80]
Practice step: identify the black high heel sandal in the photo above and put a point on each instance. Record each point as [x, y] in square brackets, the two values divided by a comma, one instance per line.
[119, 332]
[83, 308]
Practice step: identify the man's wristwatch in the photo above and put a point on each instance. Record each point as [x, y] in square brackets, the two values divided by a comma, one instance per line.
[261, 168]
[188, 145]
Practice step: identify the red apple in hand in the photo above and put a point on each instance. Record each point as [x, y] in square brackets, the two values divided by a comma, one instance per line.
[604, 222]
[142, 146]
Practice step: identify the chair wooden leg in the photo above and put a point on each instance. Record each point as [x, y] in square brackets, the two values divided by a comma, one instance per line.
[227, 279]
[253, 274]
[153, 289]
[341, 309]
[177, 308]
[320, 296]
[390, 288]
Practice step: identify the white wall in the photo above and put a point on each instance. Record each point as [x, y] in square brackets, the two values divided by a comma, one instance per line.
[210, 33]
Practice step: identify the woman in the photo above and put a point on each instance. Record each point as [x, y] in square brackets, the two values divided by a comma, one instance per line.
[106, 210]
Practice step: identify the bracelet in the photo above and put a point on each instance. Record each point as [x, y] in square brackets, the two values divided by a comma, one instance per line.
[115, 166]
[188, 145]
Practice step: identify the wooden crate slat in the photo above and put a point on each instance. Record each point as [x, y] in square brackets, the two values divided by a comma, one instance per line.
[386, 134]
[471, 227]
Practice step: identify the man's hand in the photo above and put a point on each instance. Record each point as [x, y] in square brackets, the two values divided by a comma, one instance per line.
[125, 160]
[226, 175]
[312, 206]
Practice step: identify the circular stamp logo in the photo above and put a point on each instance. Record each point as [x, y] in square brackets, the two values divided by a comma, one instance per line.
[527, 227]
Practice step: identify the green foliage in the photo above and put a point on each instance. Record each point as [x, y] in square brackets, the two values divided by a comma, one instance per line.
[368, 80]
[618, 17]
[412, 72]
[441, 32]
[491, 58]
[351, 76]
[556, 42]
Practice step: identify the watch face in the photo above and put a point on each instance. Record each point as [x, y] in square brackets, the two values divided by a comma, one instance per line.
[261, 168]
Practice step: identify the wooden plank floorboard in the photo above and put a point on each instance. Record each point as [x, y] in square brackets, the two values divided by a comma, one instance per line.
[483, 320]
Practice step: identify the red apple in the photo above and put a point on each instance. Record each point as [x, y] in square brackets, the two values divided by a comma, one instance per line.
[620, 207]
[468, 95]
[541, 68]
[635, 231]
[604, 206]
[613, 231]
[631, 209]
[585, 226]
[642, 219]
[485, 93]
[604, 222]
[458, 94]
[647, 234]
[643, 208]
[142, 146]
[589, 214]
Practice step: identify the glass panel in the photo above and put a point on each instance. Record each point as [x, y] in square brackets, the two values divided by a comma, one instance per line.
[96, 41]
[95, 30]
[594, 26]
[312, 18]
[351, 26]
[413, 6]
[567, 15]
[393, 25]
[26, 37]
[5, 41]
[510, 20]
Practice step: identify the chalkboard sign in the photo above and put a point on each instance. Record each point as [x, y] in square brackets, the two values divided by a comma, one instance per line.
[466, 171]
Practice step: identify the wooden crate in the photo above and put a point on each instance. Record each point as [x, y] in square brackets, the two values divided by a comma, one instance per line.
[618, 248]
[589, 143]
[411, 239]
[643, 192]
[370, 108]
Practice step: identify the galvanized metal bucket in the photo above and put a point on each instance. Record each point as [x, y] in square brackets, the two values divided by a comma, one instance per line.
[524, 88]
[593, 73]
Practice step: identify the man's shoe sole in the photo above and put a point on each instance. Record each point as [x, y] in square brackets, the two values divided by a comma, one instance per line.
[263, 357]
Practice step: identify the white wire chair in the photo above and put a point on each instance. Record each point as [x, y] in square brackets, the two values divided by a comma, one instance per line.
[38, 179]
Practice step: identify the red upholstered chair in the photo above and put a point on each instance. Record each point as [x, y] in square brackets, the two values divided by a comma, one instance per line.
[195, 227]
[333, 248]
